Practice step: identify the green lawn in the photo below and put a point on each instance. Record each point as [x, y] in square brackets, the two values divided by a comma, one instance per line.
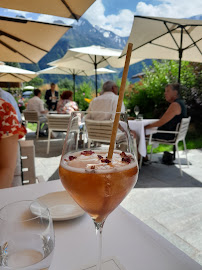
[32, 126]
[193, 141]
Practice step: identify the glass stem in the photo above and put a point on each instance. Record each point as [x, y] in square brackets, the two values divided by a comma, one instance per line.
[99, 228]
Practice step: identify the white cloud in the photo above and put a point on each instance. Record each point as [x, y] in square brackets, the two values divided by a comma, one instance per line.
[18, 12]
[120, 24]
[170, 8]
[51, 19]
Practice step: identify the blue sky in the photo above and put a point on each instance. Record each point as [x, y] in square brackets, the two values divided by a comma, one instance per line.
[117, 15]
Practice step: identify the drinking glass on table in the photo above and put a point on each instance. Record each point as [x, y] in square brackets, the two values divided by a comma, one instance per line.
[95, 181]
[26, 239]
[136, 111]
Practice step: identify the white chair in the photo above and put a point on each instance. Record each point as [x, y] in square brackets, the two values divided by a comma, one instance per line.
[32, 117]
[100, 131]
[25, 167]
[180, 135]
[59, 122]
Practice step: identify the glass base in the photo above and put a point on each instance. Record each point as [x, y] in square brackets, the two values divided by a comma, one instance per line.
[108, 264]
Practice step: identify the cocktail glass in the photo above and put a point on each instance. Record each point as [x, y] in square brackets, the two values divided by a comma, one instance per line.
[98, 184]
[136, 111]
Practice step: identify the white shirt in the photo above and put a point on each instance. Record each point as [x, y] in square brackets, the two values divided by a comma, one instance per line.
[53, 98]
[104, 103]
[10, 99]
[35, 104]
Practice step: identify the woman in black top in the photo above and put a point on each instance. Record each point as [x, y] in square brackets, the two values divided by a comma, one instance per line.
[174, 114]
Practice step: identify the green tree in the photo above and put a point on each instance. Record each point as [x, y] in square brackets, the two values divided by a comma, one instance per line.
[84, 91]
[36, 82]
[13, 64]
[65, 84]
[148, 93]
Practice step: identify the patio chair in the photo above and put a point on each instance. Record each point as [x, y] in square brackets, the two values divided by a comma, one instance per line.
[180, 135]
[25, 167]
[59, 122]
[32, 117]
[100, 131]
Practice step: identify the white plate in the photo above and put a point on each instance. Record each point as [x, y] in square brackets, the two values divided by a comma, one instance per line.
[60, 205]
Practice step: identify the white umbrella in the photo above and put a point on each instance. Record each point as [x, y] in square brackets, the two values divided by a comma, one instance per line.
[62, 8]
[92, 57]
[13, 74]
[27, 41]
[74, 72]
[166, 38]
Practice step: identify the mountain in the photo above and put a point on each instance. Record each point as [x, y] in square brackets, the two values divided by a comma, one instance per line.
[82, 34]
[197, 17]
[85, 34]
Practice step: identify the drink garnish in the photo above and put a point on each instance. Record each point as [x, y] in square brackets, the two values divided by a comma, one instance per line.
[87, 153]
[105, 160]
[123, 154]
[71, 158]
[126, 159]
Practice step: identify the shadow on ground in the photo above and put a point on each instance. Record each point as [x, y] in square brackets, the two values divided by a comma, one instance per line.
[152, 174]
[156, 175]
[41, 146]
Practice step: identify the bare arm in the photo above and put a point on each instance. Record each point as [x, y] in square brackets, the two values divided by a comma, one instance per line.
[173, 110]
[8, 157]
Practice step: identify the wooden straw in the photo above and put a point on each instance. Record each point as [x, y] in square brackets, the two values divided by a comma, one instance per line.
[120, 100]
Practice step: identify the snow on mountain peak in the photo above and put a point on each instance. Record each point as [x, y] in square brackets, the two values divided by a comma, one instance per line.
[106, 34]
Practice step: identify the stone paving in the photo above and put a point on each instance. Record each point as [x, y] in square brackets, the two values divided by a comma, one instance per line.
[167, 202]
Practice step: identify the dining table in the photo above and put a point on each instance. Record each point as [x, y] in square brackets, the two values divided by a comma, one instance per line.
[138, 125]
[126, 239]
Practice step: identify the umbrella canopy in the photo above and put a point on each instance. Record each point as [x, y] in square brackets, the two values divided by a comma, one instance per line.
[27, 41]
[165, 38]
[62, 8]
[70, 71]
[92, 57]
[13, 74]
[74, 72]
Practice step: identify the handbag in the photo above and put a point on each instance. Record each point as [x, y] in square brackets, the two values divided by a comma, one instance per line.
[167, 158]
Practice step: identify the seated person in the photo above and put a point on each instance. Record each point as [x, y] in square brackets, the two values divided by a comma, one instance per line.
[65, 104]
[10, 131]
[36, 104]
[174, 114]
[107, 102]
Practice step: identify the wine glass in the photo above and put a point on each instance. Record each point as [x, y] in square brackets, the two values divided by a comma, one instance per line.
[136, 111]
[97, 183]
[26, 239]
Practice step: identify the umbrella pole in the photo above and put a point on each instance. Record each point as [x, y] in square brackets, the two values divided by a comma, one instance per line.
[96, 81]
[180, 56]
[95, 77]
[74, 82]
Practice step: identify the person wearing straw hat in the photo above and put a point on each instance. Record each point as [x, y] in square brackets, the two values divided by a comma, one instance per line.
[106, 102]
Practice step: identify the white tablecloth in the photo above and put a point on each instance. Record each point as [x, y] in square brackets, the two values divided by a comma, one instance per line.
[135, 244]
[138, 127]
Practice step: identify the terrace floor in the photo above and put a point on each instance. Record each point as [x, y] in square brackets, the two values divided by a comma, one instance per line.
[165, 201]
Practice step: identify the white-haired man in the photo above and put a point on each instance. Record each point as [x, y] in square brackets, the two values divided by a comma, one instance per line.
[106, 102]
